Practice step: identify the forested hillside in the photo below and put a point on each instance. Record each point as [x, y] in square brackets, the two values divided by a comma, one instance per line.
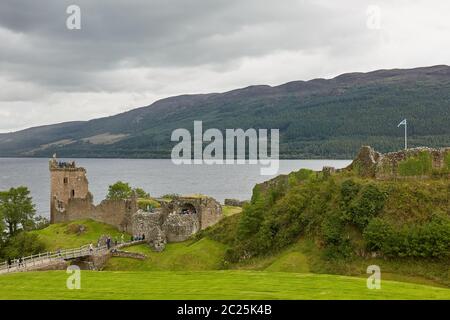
[317, 119]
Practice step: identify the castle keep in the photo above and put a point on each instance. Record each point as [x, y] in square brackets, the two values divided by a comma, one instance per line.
[176, 220]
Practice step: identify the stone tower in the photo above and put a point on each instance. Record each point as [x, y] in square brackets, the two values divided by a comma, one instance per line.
[67, 181]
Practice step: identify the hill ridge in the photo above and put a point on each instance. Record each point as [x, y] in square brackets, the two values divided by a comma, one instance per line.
[317, 118]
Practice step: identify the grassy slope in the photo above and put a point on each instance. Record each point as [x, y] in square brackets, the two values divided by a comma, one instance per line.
[304, 257]
[190, 256]
[206, 285]
[230, 210]
[61, 235]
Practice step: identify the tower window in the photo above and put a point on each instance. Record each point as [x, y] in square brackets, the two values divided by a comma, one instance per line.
[66, 180]
[72, 193]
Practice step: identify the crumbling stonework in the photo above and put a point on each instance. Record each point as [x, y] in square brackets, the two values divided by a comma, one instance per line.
[420, 162]
[179, 227]
[207, 209]
[70, 199]
[67, 182]
[176, 220]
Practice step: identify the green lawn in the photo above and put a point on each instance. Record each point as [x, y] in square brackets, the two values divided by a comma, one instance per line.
[62, 235]
[206, 285]
[204, 254]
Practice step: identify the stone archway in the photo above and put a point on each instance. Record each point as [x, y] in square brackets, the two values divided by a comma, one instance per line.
[188, 208]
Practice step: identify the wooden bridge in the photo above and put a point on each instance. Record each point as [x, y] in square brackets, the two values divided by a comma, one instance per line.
[48, 259]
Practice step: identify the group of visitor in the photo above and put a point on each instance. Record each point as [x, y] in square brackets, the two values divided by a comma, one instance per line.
[66, 164]
[138, 238]
[18, 262]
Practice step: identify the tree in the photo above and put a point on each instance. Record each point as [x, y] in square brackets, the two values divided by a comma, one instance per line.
[20, 245]
[17, 210]
[140, 193]
[119, 191]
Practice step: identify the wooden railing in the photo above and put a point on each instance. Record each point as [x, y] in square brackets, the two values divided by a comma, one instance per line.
[53, 256]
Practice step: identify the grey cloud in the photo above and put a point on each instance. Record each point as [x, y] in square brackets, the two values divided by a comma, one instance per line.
[131, 52]
[163, 34]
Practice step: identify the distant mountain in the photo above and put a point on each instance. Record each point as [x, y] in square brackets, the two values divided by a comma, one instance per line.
[319, 118]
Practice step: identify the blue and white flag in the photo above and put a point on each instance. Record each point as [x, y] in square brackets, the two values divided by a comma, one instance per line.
[403, 123]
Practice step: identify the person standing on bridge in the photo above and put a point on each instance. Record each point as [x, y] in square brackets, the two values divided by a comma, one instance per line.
[91, 247]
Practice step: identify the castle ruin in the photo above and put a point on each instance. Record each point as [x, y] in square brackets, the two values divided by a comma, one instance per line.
[176, 220]
[421, 162]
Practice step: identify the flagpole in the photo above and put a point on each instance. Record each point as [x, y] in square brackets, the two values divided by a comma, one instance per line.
[406, 134]
[405, 123]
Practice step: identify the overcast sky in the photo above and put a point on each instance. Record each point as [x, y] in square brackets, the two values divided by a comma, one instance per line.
[130, 53]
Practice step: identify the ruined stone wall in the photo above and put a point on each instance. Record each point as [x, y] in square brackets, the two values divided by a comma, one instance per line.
[148, 224]
[208, 210]
[173, 227]
[176, 220]
[179, 227]
[211, 212]
[416, 163]
[114, 212]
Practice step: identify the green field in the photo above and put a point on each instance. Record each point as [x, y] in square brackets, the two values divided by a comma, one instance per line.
[195, 269]
[206, 285]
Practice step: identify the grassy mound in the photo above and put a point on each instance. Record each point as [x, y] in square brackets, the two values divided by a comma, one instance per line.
[75, 234]
[207, 285]
[200, 255]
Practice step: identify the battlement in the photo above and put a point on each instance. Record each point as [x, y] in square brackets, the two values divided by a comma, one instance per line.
[421, 162]
[55, 165]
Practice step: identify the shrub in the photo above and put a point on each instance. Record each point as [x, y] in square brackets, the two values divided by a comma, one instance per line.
[376, 234]
[332, 229]
[141, 193]
[148, 204]
[417, 165]
[171, 196]
[428, 240]
[343, 250]
[367, 205]
[447, 160]
[349, 189]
